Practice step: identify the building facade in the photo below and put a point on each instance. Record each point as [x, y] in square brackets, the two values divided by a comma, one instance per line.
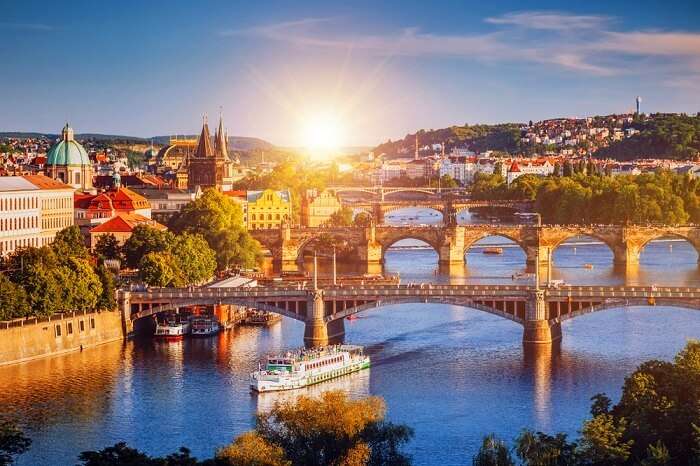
[33, 208]
[210, 165]
[317, 208]
[268, 209]
[94, 209]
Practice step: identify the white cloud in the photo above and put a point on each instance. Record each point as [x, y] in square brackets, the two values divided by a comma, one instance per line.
[579, 43]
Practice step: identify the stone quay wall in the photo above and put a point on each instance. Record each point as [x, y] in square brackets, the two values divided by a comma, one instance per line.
[27, 339]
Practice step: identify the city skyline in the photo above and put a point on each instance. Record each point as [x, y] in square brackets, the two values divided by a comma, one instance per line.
[292, 74]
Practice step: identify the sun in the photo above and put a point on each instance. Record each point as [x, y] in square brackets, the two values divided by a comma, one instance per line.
[322, 133]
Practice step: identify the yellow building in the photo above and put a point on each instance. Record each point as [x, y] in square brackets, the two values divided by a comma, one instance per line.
[268, 209]
[317, 208]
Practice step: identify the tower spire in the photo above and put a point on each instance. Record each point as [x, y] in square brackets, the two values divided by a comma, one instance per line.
[204, 144]
[221, 138]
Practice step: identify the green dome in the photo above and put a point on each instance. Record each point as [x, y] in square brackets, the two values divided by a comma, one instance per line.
[67, 151]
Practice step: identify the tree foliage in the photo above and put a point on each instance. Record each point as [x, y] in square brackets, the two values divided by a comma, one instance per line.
[108, 247]
[13, 300]
[193, 256]
[160, 269]
[143, 240]
[220, 221]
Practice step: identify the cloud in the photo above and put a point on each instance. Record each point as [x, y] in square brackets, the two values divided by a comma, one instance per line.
[26, 26]
[578, 43]
[552, 21]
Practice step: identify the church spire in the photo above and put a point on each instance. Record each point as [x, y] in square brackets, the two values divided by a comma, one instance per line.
[221, 139]
[204, 145]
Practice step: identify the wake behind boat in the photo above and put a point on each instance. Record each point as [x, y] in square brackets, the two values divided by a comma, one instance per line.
[306, 367]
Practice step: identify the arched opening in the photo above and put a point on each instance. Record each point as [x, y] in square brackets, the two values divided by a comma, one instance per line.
[413, 216]
[669, 260]
[412, 259]
[584, 260]
[324, 247]
[495, 259]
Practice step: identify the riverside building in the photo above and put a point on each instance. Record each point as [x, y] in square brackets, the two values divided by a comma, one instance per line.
[33, 208]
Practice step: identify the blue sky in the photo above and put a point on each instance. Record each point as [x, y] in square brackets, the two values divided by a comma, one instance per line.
[382, 69]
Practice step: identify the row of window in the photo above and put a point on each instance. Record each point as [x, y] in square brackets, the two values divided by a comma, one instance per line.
[10, 245]
[22, 223]
[56, 222]
[18, 203]
[262, 217]
[56, 203]
[69, 327]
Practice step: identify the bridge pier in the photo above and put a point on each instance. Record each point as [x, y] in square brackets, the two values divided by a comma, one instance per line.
[318, 332]
[124, 302]
[539, 330]
[451, 251]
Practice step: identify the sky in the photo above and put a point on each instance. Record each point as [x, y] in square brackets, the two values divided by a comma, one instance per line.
[359, 71]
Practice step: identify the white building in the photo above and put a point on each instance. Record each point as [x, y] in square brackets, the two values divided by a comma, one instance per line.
[461, 169]
[33, 208]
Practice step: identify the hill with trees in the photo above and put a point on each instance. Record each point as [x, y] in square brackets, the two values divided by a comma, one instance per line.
[667, 136]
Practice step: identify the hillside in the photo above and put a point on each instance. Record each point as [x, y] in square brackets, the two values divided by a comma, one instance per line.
[503, 137]
[235, 142]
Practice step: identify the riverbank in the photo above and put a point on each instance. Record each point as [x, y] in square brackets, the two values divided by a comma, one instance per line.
[24, 340]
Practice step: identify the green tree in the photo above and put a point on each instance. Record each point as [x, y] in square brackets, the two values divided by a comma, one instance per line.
[108, 247]
[107, 298]
[220, 221]
[160, 269]
[13, 300]
[69, 242]
[194, 258]
[493, 452]
[80, 285]
[362, 219]
[568, 169]
[539, 449]
[602, 441]
[143, 240]
[13, 442]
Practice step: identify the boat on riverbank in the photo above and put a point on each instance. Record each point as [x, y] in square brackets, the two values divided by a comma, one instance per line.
[204, 326]
[261, 318]
[172, 329]
[306, 367]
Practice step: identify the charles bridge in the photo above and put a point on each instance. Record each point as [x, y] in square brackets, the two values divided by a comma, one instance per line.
[540, 311]
[451, 241]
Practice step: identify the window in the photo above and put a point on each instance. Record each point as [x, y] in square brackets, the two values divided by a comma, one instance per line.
[82, 326]
[69, 328]
[92, 323]
[58, 330]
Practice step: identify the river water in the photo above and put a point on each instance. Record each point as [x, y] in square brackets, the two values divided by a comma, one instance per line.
[453, 374]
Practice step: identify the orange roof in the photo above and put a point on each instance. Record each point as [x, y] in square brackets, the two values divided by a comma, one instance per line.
[120, 199]
[44, 182]
[125, 223]
[514, 168]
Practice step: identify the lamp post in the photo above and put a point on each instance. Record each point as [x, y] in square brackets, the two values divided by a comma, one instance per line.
[334, 268]
[315, 271]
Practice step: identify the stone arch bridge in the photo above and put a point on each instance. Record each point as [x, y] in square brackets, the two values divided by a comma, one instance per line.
[539, 311]
[452, 241]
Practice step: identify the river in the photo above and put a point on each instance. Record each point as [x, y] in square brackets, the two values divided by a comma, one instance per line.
[453, 374]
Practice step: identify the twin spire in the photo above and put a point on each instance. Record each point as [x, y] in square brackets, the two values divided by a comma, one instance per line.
[204, 147]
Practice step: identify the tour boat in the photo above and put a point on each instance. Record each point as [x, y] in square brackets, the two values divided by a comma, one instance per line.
[204, 326]
[306, 367]
[256, 317]
[172, 329]
[587, 266]
[492, 250]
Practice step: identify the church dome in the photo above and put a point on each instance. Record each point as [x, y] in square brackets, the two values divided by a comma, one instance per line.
[67, 151]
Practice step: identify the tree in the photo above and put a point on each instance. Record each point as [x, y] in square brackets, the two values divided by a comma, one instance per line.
[81, 287]
[493, 452]
[107, 299]
[13, 442]
[220, 221]
[568, 169]
[362, 219]
[539, 449]
[13, 300]
[143, 240]
[160, 269]
[602, 441]
[194, 258]
[342, 217]
[331, 430]
[108, 247]
[69, 242]
[252, 450]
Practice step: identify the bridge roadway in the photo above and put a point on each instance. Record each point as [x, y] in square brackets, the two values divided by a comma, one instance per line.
[451, 242]
[539, 311]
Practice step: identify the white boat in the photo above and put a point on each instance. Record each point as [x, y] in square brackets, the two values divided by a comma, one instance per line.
[306, 367]
[172, 329]
[204, 326]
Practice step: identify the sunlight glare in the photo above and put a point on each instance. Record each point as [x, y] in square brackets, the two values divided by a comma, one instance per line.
[322, 132]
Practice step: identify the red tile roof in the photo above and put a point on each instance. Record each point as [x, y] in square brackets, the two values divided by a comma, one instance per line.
[125, 223]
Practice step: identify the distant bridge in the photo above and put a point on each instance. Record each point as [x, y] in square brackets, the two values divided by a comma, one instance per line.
[451, 242]
[381, 192]
[539, 311]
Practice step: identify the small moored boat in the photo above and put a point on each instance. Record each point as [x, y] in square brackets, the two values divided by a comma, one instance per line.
[172, 329]
[204, 326]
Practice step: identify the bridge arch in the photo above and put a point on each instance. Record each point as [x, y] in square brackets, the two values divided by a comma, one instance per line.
[514, 313]
[556, 249]
[440, 209]
[633, 302]
[387, 244]
[165, 307]
[695, 243]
